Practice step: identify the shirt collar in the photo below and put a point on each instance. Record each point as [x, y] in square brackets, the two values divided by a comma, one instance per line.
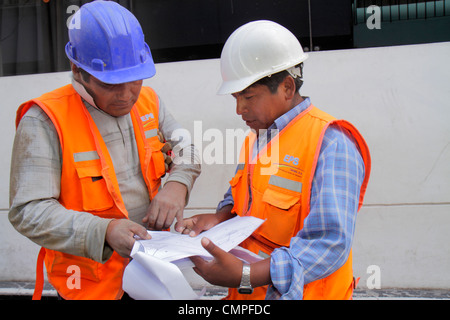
[79, 88]
[281, 122]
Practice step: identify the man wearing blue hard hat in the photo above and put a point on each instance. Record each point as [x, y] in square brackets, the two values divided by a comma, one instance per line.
[88, 159]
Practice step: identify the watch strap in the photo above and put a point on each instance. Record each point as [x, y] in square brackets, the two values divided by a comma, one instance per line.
[245, 287]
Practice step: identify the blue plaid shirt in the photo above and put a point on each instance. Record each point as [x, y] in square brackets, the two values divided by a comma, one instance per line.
[324, 243]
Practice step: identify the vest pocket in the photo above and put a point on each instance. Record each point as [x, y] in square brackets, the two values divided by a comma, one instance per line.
[156, 167]
[93, 186]
[281, 208]
[63, 265]
[234, 181]
[238, 194]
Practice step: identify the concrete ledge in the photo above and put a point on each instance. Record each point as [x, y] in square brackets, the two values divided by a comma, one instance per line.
[24, 291]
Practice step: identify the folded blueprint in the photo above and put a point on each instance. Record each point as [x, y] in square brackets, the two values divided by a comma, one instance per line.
[156, 269]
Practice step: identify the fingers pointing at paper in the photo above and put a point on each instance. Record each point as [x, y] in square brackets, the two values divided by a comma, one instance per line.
[198, 223]
[202, 222]
[167, 205]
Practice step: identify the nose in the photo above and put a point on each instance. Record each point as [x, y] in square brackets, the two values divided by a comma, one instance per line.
[240, 106]
[124, 92]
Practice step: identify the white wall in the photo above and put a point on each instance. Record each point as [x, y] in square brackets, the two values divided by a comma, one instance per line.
[398, 97]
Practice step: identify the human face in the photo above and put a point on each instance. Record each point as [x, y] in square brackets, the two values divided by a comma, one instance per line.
[258, 107]
[115, 99]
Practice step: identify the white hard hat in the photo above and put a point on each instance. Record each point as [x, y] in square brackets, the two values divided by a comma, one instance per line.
[256, 50]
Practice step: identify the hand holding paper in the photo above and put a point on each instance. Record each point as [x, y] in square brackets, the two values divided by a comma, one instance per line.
[154, 272]
[224, 264]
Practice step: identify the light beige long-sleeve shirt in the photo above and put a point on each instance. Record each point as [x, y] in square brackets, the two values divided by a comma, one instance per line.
[36, 171]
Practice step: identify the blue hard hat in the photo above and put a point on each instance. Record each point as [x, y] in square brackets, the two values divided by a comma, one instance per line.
[107, 42]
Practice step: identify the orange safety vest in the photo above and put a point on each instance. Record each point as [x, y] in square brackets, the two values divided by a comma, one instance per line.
[89, 184]
[280, 180]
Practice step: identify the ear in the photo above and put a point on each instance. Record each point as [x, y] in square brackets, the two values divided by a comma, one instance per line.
[75, 71]
[288, 86]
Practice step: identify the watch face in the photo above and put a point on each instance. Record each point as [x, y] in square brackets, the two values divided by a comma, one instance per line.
[245, 290]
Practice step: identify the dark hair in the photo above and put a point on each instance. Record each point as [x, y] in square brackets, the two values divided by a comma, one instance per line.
[274, 80]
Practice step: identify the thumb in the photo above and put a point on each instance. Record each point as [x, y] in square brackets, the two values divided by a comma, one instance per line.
[141, 232]
[214, 250]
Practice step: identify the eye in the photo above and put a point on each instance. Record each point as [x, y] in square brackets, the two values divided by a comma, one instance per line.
[107, 85]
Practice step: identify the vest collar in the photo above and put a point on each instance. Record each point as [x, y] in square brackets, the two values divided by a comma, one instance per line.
[79, 88]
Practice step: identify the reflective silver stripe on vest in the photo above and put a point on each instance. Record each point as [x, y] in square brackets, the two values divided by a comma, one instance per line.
[85, 156]
[151, 133]
[241, 166]
[286, 183]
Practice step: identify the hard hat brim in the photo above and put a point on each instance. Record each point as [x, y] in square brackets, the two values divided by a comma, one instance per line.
[139, 72]
[230, 87]
[238, 85]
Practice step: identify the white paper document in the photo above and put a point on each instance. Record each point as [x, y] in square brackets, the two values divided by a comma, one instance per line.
[155, 271]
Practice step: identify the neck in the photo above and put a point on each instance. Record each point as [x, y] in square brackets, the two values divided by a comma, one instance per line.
[296, 100]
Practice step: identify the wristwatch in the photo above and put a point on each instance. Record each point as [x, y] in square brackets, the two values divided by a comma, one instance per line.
[245, 287]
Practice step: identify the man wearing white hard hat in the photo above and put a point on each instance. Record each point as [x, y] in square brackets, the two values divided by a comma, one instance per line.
[301, 170]
[88, 159]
